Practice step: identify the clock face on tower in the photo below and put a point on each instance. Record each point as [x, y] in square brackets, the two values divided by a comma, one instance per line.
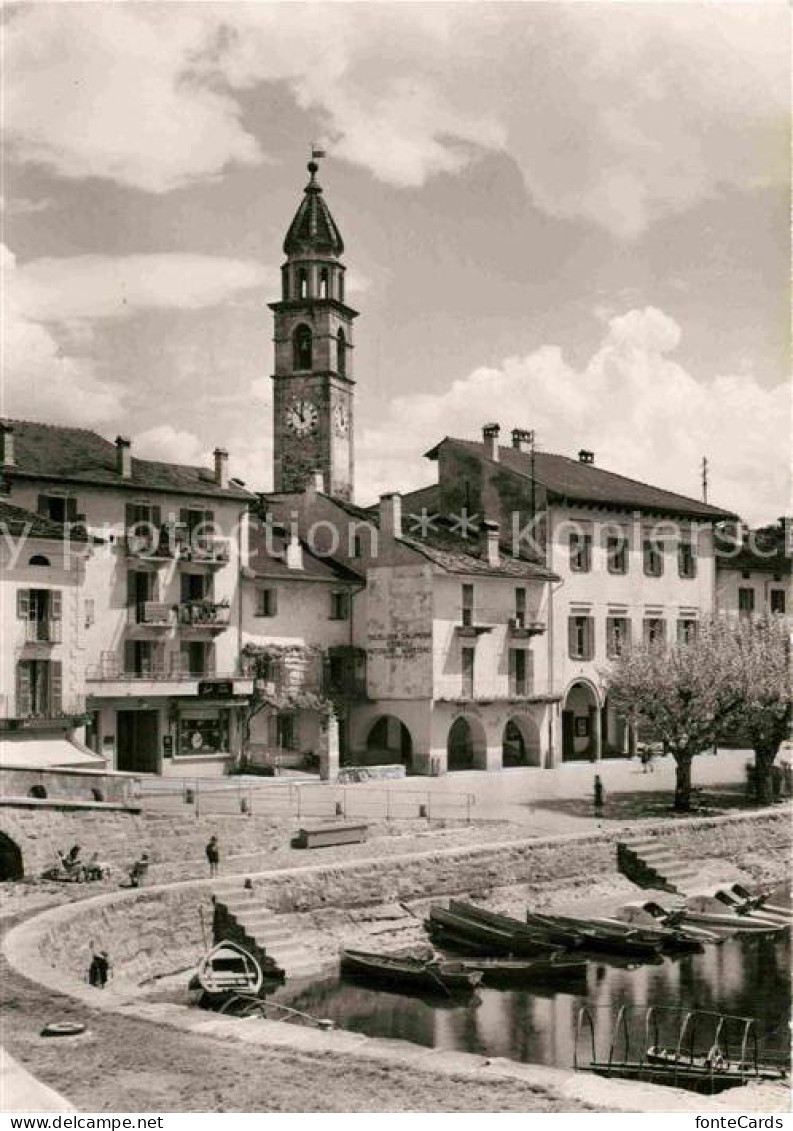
[341, 419]
[302, 417]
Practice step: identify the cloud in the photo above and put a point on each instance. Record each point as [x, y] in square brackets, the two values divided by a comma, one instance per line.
[171, 445]
[40, 379]
[98, 286]
[618, 115]
[642, 413]
[107, 91]
[52, 306]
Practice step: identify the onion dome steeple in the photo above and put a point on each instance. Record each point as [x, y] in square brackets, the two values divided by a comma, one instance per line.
[313, 228]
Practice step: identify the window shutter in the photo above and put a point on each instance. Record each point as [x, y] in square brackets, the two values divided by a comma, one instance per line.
[571, 638]
[590, 638]
[273, 602]
[23, 706]
[56, 604]
[23, 604]
[43, 505]
[156, 517]
[529, 671]
[129, 516]
[129, 656]
[587, 552]
[184, 516]
[71, 509]
[56, 686]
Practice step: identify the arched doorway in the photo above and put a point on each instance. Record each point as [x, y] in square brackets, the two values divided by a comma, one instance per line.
[389, 741]
[466, 745]
[11, 867]
[580, 723]
[520, 742]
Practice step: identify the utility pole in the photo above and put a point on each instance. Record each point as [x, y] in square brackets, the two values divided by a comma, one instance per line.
[704, 479]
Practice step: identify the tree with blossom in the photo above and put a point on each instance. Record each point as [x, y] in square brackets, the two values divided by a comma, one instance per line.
[678, 695]
[758, 672]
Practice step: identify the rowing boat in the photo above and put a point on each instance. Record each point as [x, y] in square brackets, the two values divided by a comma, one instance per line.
[610, 939]
[225, 969]
[648, 913]
[503, 936]
[523, 938]
[497, 971]
[406, 973]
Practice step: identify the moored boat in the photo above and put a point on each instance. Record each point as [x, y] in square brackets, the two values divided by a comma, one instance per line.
[513, 971]
[498, 934]
[704, 909]
[608, 939]
[406, 973]
[227, 968]
[667, 938]
[525, 938]
[646, 913]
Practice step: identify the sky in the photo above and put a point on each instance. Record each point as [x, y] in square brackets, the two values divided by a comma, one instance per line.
[570, 217]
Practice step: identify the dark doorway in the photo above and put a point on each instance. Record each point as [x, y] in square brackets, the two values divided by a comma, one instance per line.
[460, 746]
[10, 860]
[568, 735]
[137, 738]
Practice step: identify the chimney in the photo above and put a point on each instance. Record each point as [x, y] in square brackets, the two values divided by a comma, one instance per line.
[7, 445]
[490, 434]
[221, 467]
[491, 530]
[522, 439]
[124, 457]
[585, 456]
[391, 515]
[294, 553]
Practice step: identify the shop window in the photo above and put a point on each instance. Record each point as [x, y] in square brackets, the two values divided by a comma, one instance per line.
[204, 734]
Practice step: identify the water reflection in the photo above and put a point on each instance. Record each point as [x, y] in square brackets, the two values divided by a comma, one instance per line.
[749, 976]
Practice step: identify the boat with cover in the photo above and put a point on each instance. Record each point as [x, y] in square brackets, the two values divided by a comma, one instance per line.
[704, 909]
[647, 913]
[408, 973]
[667, 938]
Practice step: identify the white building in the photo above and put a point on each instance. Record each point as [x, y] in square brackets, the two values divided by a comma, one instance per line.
[157, 650]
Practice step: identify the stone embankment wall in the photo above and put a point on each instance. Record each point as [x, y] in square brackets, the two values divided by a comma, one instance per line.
[159, 930]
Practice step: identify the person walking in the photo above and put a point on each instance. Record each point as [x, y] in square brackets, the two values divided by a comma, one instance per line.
[599, 796]
[213, 855]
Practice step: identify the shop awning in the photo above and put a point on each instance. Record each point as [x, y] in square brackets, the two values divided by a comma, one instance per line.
[47, 753]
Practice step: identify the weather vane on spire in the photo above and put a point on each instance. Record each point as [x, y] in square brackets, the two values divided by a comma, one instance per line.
[316, 152]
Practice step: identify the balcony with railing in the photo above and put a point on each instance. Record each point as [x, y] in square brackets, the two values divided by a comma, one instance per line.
[41, 713]
[44, 630]
[204, 615]
[148, 545]
[210, 553]
[473, 621]
[160, 675]
[154, 615]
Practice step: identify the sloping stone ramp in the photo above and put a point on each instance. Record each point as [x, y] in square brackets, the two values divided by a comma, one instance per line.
[652, 864]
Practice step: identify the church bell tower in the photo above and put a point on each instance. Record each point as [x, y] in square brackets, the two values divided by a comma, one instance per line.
[313, 377]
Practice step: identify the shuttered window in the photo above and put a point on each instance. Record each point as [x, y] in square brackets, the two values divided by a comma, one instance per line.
[520, 671]
[653, 558]
[617, 636]
[267, 602]
[468, 655]
[56, 686]
[24, 704]
[686, 560]
[654, 631]
[580, 552]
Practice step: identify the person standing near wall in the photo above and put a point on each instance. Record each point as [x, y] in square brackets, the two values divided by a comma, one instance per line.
[213, 856]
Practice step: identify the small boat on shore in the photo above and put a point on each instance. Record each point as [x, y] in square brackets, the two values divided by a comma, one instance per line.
[704, 909]
[737, 898]
[226, 968]
[405, 973]
[523, 938]
[667, 938]
[648, 914]
[486, 932]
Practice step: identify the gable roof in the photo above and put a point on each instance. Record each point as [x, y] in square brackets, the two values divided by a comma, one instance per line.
[77, 455]
[268, 560]
[20, 522]
[573, 481]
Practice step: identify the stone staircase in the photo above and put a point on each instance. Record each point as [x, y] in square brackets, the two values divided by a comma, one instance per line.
[245, 919]
[652, 864]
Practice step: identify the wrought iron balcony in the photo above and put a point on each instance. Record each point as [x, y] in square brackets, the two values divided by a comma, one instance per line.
[202, 614]
[521, 627]
[211, 552]
[148, 545]
[26, 714]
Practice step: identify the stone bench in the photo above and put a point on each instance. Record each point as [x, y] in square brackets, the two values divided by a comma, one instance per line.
[322, 836]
